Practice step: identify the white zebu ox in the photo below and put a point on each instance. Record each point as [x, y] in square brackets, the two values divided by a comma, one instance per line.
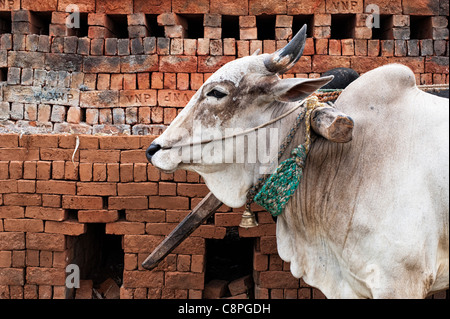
[370, 218]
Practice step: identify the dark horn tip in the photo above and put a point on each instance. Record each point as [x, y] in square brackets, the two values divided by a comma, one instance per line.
[285, 58]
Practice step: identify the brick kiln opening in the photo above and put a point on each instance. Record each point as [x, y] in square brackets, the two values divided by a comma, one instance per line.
[343, 26]
[229, 266]
[384, 31]
[421, 27]
[100, 258]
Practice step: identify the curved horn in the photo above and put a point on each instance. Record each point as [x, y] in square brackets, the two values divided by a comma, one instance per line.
[285, 58]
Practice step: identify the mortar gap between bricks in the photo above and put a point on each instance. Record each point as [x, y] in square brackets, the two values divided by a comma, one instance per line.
[105, 202]
[3, 74]
[72, 214]
[5, 19]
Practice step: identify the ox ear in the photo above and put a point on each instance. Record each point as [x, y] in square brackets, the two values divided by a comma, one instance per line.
[296, 89]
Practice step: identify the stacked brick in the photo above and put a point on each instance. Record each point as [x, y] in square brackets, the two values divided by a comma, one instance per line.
[47, 200]
[126, 72]
[130, 67]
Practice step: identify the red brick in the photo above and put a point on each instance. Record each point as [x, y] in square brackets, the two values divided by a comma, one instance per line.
[373, 47]
[112, 170]
[215, 289]
[140, 172]
[261, 230]
[19, 154]
[82, 202]
[11, 212]
[133, 156]
[240, 285]
[191, 245]
[29, 170]
[172, 63]
[85, 172]
[182, 280]
[159, 228]
[43, 170]
[126, 172]
[153, 7]
[151, 216]
[190, 7]
[98, 216]
[140, 243]
[9, 140]
[8, 186]
[322, 46]
[4, 170]
[278, 279]
[46, 241]
[420, 7]
[128, 202]
[12, 276]
[295, 7]
[46, 276]
[416, 64]
[12, 240]
[56, 187]
[32, 5]
[365, 64]
[51, 200]
[15, 169]
[212, 63]
[83, 5]
[99, 156]
[142, 188]
[437, 64]
[192, 190]
[168, 202]
[99, 172]
[114, 6]
[323, 63]
[22, 199]
[139, 63]
[57, 154]
[268, 245]
[100, 189]
[70, 228]
[5, 259]
[25, 225]
[47, 213]
[136, 279]
[229, 7]
[348, 47]
[125, 228]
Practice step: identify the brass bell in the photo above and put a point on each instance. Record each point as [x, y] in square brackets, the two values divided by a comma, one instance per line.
[248, 219]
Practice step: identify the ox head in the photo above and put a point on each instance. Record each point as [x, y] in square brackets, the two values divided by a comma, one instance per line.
[242, 94]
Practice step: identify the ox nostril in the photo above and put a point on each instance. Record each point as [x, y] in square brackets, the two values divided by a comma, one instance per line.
[151, 150]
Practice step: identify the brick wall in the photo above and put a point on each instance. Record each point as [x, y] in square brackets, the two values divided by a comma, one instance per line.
[47, 200]
[118, 80]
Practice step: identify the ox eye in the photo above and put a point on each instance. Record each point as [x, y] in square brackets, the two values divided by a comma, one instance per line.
[217, 94]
